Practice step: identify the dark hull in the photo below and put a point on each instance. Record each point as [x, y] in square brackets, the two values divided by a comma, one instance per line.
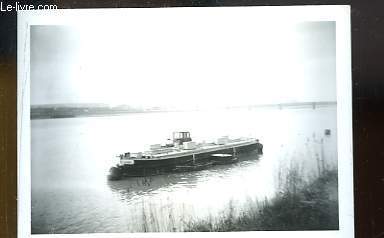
[143, 167]
[192, 167]
[231, 160]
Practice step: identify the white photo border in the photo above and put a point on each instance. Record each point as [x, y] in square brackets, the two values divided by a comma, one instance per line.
[339, 14]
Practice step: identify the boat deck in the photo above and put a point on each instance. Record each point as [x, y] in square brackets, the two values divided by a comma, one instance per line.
[171, 152]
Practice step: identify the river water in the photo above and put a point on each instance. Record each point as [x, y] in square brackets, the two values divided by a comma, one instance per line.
[71, 157]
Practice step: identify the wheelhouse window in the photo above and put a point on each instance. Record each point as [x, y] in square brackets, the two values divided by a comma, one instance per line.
[181, 135]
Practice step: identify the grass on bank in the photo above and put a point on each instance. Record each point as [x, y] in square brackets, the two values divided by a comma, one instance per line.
[299, 206]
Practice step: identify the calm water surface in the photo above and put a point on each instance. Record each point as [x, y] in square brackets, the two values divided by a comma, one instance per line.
[70, 159]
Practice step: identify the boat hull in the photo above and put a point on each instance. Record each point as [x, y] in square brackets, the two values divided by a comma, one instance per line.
[150, 167]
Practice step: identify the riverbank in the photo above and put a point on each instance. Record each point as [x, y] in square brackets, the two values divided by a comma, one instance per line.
[300, 205]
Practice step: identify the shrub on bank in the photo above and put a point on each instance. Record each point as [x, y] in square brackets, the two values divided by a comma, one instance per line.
[299, 206]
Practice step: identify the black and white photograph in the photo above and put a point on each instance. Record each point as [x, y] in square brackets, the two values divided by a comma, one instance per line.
[185, 120]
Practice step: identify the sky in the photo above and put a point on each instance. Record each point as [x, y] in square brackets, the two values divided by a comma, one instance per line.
[182, 61]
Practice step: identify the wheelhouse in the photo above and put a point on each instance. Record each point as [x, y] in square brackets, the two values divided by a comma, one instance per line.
[181, 136]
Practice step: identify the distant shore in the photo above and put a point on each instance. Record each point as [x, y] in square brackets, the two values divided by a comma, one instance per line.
[52, 111]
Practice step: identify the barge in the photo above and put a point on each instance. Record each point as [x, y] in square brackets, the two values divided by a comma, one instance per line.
[181, 155]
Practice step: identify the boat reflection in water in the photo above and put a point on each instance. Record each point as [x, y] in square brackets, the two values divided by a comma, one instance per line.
[175, 199]
[134, 185]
